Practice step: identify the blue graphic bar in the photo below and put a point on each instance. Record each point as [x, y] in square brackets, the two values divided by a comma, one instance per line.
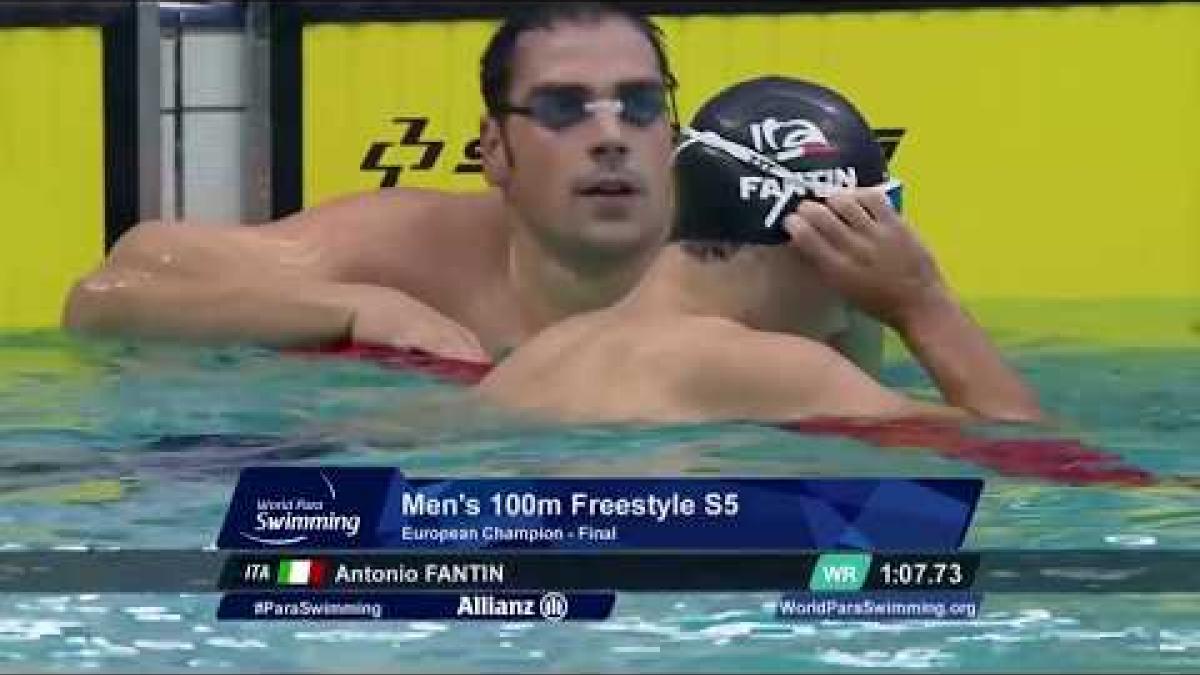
[483, 606]
[366, 508]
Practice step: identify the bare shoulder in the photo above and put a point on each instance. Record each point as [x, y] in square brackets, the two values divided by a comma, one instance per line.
[351, 226]
[399, 211]
[734, 372]
[726, 349]
[400, 237]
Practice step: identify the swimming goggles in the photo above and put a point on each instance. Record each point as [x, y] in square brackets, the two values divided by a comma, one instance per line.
[559, 107]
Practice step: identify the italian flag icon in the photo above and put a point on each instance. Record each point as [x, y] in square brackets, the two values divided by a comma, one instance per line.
[304, 572]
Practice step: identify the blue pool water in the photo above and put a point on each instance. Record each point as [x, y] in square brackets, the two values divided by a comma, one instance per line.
[104, 445]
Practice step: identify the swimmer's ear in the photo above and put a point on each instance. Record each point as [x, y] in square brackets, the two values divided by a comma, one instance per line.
[494, 149]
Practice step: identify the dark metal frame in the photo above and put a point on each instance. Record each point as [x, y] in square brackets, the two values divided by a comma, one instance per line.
[287, 107]
[220, 14]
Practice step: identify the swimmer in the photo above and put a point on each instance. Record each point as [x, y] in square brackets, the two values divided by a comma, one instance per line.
[576, 144]
[700, 337]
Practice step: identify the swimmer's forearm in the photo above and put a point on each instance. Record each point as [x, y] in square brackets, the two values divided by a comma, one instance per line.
[210, 311]
[964, 364]
[272, 311]
[862, 343]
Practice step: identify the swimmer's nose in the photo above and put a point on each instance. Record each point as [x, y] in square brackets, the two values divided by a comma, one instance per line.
[609, 152]
[608, 147]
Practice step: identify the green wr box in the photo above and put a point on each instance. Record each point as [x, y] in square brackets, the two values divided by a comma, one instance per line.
[840, 572]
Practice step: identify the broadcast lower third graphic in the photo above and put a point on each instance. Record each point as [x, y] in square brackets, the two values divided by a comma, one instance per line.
[554, 606]
[840, 572]
[991, 571]
[549, 606]
[300, 572]
[868, 606]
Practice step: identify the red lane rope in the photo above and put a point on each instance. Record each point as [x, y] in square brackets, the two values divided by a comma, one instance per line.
[1058, 460]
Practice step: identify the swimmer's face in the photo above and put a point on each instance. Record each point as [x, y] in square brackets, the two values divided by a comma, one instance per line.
[598, 187]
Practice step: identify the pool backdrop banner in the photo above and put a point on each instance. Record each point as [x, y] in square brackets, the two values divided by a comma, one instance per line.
[366, 508]
[52, 181]
[1043, 148]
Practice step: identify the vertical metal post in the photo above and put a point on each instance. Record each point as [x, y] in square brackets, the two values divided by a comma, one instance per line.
[256, 157]
[149, 112]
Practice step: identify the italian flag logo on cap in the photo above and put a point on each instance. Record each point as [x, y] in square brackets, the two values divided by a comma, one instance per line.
[306, 572]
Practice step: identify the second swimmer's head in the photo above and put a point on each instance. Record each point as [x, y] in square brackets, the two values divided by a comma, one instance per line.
[758, 148]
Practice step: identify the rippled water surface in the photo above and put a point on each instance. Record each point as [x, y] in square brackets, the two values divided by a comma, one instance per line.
[138, 446]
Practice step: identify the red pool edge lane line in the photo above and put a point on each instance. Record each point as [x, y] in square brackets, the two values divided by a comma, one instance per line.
[408, 359]
[1061, 460]
[1057, 460]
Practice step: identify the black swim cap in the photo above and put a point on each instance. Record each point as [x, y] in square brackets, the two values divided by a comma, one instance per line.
[758, 148]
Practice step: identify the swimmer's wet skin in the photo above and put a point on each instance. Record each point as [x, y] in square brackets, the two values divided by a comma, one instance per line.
[1056, 460]
[704, 335]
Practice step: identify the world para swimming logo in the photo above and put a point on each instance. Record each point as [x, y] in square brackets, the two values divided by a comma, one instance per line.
[285, 522]
[311, 507]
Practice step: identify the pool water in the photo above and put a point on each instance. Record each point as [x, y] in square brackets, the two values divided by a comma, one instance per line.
[138, 446]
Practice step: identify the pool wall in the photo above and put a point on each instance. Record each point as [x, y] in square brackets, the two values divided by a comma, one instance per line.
[1048, 149]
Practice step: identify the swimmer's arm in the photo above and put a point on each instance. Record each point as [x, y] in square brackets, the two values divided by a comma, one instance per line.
[283, 313]
[874, 257]
[187, 286]
[861, 342]
[304, 280]
[288, 312]
[202, 283]
[963, 363]
[972, 377]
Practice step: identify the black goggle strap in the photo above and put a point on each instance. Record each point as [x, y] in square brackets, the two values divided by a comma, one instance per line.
[673, 106]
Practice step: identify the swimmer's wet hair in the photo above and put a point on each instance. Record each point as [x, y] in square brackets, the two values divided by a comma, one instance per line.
[709, 251]
[495, 73]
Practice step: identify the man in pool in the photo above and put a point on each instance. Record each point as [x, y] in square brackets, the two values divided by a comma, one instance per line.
[576, 146]
[699, 337]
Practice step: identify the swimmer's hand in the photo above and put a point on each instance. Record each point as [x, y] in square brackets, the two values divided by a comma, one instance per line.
[405, 323]
[866, 251]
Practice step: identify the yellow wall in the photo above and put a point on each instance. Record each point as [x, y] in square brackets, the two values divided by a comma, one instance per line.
[1049, 153]
[51, 168]
[357, 78]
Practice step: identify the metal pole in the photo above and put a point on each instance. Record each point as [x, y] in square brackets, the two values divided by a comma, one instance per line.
[256, 156]
[149, 114]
